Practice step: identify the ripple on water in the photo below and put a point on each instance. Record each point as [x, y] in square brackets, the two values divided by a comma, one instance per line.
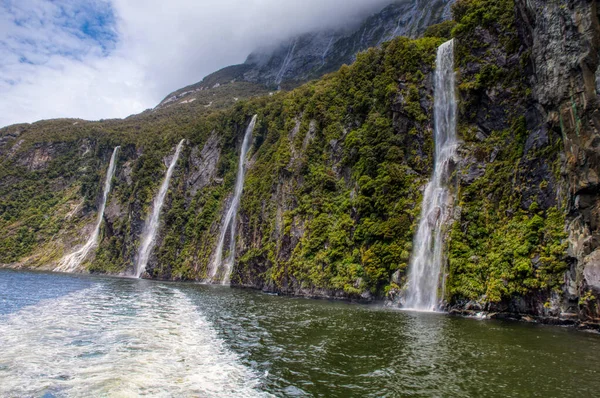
[131, 338]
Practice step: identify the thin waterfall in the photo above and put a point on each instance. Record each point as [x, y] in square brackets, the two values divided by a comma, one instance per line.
[327, 49]
[231, 217]
[149, 235]
[428, 255]
[286, 62]
[73, 260]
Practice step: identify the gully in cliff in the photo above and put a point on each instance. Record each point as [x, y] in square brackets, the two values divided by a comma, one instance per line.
[426, 263]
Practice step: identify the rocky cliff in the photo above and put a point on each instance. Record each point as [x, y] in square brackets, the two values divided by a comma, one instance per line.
[528, 117]
[564, 43]
[337, 168]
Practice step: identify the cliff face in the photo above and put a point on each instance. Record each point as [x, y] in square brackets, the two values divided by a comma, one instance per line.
[564, 40]
[337, 168]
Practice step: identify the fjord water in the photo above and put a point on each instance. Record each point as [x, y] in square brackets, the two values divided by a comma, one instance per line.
[70, 262]
[221, 271]
[426, 261]
[77, 336]
[149, 235]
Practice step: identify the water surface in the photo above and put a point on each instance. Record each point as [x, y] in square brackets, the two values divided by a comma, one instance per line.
[76, 336]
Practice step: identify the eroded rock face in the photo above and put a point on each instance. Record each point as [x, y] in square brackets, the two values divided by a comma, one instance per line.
[38, 158]
[564, 39]
[564, 48]
[591, 270]
[203, 164]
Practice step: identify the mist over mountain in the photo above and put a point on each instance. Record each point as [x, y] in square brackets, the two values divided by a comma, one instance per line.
[112, 58]
[311, 54]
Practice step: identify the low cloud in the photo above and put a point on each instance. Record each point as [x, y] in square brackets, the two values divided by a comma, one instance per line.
[112, 58]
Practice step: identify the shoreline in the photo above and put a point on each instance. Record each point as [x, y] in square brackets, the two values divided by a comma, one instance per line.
[571, 321]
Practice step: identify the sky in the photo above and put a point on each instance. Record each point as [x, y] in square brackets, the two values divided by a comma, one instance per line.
[100, 59]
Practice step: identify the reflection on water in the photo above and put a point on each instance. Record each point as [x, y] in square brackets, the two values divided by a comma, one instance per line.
[107, 337]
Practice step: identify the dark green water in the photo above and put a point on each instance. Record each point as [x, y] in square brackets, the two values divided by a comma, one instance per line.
[83, 336]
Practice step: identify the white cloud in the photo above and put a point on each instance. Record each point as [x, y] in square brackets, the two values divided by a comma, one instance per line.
[58, 60]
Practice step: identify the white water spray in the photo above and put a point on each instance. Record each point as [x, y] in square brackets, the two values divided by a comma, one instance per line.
[70, 262]
[426, 264]
[149, 235]
[230, 218]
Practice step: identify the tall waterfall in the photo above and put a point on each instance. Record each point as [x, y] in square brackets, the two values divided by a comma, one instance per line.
[230, 218]
[425, 266]
[149, 235]
[73, 260]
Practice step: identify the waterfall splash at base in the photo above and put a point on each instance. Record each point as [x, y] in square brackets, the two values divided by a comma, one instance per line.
[149, 235]
[70, 262]
[229, 224]
[428, 255]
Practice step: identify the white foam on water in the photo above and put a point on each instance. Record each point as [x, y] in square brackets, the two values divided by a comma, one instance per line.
[95, 343]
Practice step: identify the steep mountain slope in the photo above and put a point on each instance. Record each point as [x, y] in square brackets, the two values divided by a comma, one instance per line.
[336, 171]
[311, 55]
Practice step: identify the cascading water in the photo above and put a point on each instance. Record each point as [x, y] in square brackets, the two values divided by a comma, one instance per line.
[286, 63]
[230, 218]
[327, 50]
[426, 264]
[73, 260]
[151, 228]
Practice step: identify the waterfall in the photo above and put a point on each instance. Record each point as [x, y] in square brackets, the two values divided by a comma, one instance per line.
[151, 228]
[229, 223]
[286, 62]
[327, 49]
[73, 260]
[426, 263]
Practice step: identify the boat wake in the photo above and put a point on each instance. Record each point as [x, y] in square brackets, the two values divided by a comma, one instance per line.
[137, 342]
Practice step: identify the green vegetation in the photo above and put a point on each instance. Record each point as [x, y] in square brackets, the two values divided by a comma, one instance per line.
[497, 18]
[443, 30]
[500, 247]
[334, 169]
[332, 197]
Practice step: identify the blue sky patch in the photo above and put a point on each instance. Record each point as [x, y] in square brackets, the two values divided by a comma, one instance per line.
[39, 29]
